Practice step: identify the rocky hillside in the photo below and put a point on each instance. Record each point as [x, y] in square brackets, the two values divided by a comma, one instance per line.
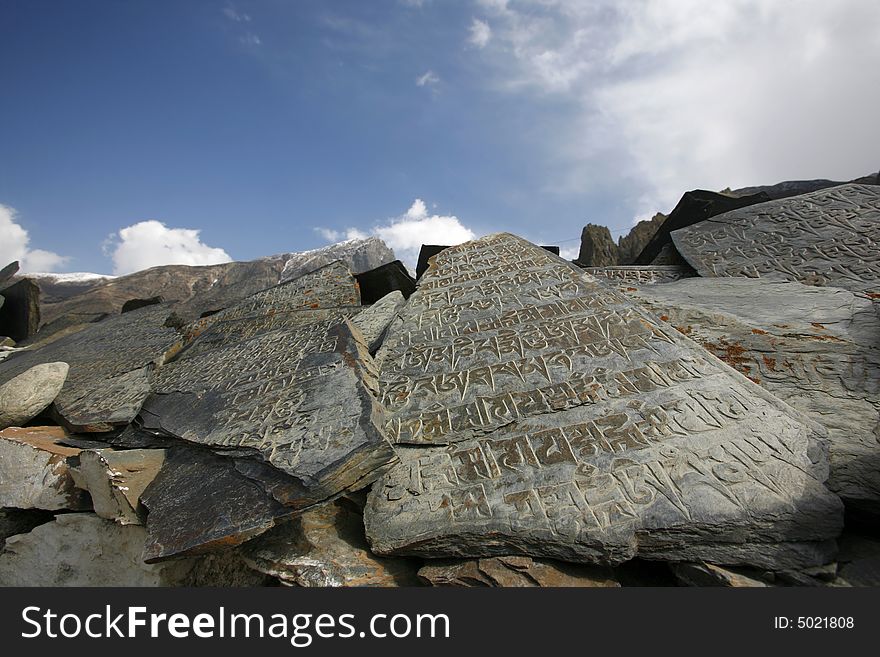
[516, 421]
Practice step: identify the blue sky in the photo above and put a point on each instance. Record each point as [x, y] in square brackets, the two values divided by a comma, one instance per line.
[201, 131]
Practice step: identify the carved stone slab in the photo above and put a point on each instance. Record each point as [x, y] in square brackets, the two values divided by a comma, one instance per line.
[641, 275]
[816, 348]
[285, 384]
[111, 367]
[827, 237]
[541, 413]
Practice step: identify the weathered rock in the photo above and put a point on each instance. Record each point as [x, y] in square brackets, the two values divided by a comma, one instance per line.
[112, 365]
[81, 549]
[694, 207]
[597, 247]
[629, 246]
[21, 521]
[20, 312]
[115, 480]
[816, 348]
[428, 251]
[373, 322]
[827, 237]
[669, 256]
[284, 383]
[34, 472]
[641, 275]
[6, 342]
[540, 412]
[326, 547]
[200, 502]
[378, 283]
[797, 187]
[707, 574]
[862, 572]
[25, 396]
[515, 572]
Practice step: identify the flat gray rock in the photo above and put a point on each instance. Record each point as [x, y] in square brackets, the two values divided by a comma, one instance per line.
[34, 472]
[540, 412]
[828, 237]
[519, 572]
[816, 348]
[25, 396]
[112, 364]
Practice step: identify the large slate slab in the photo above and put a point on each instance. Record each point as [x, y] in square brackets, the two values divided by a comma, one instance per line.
[540, 412]
[20, 311]
[112, 364]
[641, 275]
[817, 348]
[284, 384]
[828, 237]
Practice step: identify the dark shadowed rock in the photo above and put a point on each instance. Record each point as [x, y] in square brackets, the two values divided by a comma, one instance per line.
[21, 521]
[707, 574]
[540, 408]
[326, 547]
[515, 572]
[816, 348]
[694, 207]
[798, 187]
[134, 304]
[597, 247]
[20, 312]
[111, 363]
[827, 237]
[377, 283]
[34, 472]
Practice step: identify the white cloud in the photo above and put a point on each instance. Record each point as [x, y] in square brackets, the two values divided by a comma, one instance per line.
[479, 33]
[569, 252]
[250, 39]
[151, 243]
[406, 233]
[678, 94]
[14, 245]
[428, 78]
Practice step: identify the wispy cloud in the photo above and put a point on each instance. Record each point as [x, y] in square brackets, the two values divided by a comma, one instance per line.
[234, 15]
[479, 33]
[151, 243]
[15, 245]
[251, 39]
[427, 79]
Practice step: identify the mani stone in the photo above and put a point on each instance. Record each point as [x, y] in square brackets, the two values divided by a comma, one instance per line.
[112, 365]
[515, 572]
[25, 396]
[816, 348]
[283, 382]
[81, 549]
[641, 275]
[374, 321]
[20, 311]
[827, 237]
[707, 574]
[115, 480]
[694, 207]
[34, 472]
[540, 412]
[326, 546]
